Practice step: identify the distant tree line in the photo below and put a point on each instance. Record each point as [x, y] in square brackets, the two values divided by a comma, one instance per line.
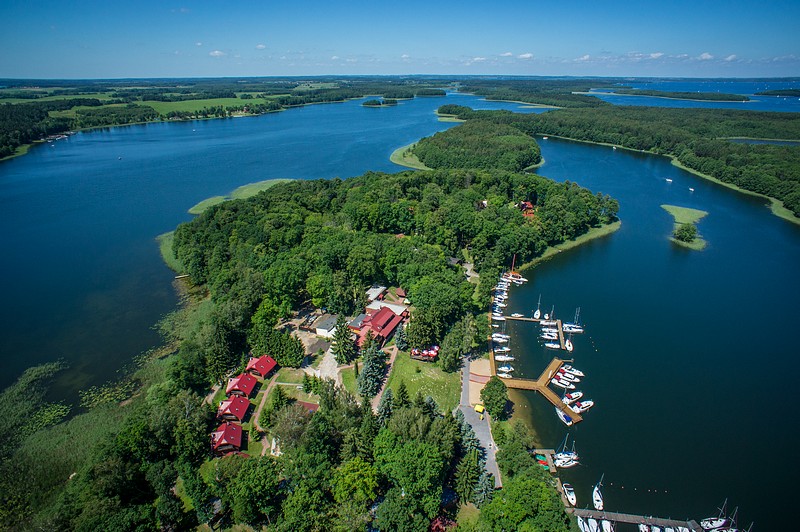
[558, 93]
[706, 96]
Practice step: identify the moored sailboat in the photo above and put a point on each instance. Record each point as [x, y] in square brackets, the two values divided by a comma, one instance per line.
[538, 312]
[597, 496]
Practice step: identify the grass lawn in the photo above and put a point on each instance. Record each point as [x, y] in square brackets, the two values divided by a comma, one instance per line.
[468, 515]
[292, 375]
[404, 157]
[427, 378]
[349, 380]
[218, 397]
[685, 215]
[243, 192]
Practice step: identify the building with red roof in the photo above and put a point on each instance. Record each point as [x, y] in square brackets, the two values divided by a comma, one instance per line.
[382, 324]
[243, 384]
[261, 366]
[233, 409]
[227, 438]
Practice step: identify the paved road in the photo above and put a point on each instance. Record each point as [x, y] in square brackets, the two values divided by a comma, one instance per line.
[481, 427]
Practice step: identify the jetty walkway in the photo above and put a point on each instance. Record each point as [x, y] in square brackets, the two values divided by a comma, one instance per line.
[636, 519]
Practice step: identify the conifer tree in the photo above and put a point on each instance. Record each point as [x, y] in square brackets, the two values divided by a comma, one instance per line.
[344, 349]
[385, 407]
[402, 399]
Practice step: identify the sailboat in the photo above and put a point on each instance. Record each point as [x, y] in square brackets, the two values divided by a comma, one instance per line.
[568, 344]
[538, 312]
[597, 497]
[574, 327]
[564, 453]
[569, 493]
[711, 523]
[551, 315]
[564, 417]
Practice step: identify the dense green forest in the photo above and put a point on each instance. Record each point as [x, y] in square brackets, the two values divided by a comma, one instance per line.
[780, 92]
[706, 96]
[555, 92]
[479, 144]
[695, 137]
[115, 466]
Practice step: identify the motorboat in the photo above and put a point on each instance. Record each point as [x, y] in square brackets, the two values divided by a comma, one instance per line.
[564, 376]
[504, 375]
[597, 497]
[500, 335]
[502, 349]
[569, 328]
[503, 358]
[574, 371]
[547, 322]
[608, 526]
[643, 527]
[568, 345]
[552, 345]
[549, 336]
[501, 305]
[498, 318]
[668, 180]
[516, 315]
[566, 419]
[569, 493]
[582, 406]
[506, 368]
[572, 397]
[549, 330]
[500, 340]
[563, 384]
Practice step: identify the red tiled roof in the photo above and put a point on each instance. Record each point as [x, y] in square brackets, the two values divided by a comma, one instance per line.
[400, 292]
[227, 434]
[262, 365]
[235, 406]
[244, 383]
[382, 324]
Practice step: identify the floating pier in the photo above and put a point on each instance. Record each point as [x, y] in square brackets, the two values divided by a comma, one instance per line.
[559, 326]
[636, 519]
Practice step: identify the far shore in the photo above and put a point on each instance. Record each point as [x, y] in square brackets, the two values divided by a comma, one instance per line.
[663, 97]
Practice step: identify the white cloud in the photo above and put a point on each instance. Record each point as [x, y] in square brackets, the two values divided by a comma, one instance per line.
[527, 55]
[731, 57]
[405, 56]
[260, 46]
[352, 60]
[334, 57]
[584, 58]
[198, 43]
[478, 59]
[705, 56]
[216, 53]
[506, 54]
[656, 55]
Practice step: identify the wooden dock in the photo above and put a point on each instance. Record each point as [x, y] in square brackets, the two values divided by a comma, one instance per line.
[540, 385]
[559, 326]
[636, 519]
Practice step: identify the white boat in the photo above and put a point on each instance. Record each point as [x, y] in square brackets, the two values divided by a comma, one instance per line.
[643, 528]
[552, 330]
[582, 525]
[574, 371]
[516, 315]
[538, 308]
[608, 526]
[691, 189]
[568, 345]
[552, 345]
[565, 463]
[548, 336]
[582, 406]
[506, 368]
[572, 397]
[502, 349]
[594, 526]
[569, 493]
[655, 528]
[503, 358]
[500, 340]
[500, 335]
[570, 328]
[498, 318]
[564, 418]
[668, 180]
[547, 322]
[504, 375]
[563, 453]
[569, 377]
[563, 384]
[597, 497]
[545, 138]
[715, 523]
[495, 325]
[500, 305]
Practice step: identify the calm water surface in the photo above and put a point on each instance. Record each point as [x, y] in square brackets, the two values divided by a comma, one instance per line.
[688, 354]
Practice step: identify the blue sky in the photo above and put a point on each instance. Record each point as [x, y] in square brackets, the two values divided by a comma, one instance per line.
[109, 39]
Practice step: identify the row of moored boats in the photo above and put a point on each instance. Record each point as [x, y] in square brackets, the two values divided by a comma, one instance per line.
[502, 353]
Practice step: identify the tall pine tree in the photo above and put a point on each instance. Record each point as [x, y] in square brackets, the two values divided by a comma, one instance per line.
[344, 348]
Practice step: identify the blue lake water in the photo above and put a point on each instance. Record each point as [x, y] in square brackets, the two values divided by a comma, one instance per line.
[789, 104]
[688, 354]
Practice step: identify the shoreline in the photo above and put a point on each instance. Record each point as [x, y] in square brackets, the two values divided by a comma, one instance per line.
[686, 215]
[398, 157]
[593, 234]
[595, 94]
